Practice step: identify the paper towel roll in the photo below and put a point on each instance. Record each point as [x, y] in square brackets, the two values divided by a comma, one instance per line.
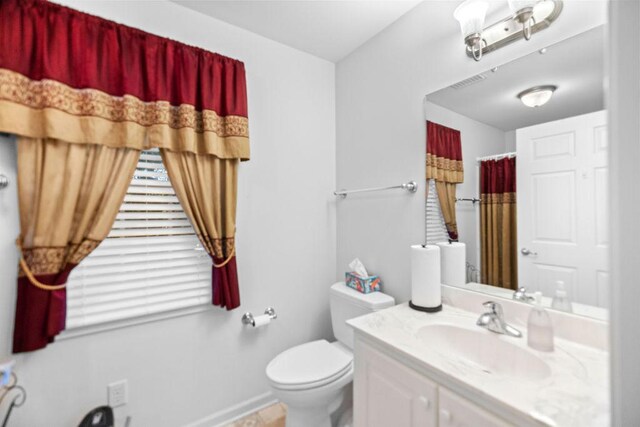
[425, 276]
[263, 319]
[453, 263]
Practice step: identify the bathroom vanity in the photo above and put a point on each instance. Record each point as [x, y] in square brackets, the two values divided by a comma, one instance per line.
[419, 369]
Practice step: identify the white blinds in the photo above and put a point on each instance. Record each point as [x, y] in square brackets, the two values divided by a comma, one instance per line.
[435, 225]
[151, 261]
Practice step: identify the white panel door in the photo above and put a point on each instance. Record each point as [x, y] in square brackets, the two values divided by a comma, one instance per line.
[386, 393]
[562, 207]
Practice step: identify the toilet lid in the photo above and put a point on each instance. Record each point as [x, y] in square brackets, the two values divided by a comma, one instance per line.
[311, 364]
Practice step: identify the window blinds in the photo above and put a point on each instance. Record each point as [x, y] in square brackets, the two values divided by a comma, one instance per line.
[434, 221]
[151, 262]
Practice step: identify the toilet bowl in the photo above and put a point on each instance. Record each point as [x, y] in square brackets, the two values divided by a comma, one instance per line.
[311, 378]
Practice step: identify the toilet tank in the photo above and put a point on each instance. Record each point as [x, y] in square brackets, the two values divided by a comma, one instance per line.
[347, 303]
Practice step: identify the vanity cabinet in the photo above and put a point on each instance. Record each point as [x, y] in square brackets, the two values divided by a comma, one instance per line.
[455, 411]
[388, 393]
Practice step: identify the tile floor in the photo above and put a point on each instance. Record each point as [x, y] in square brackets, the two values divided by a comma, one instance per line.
[271, 416]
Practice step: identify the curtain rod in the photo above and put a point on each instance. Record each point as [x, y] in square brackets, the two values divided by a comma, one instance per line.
[496, 156]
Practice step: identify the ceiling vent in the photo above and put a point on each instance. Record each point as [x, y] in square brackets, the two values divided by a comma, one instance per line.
[468, 82]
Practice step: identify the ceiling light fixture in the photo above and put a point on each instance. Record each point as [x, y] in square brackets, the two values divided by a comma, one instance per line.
[527, 17]
[537, 95]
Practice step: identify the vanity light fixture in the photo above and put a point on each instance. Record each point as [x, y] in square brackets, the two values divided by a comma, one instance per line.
[527, 17]
[537, 95]
[470, 14]
[523, 13]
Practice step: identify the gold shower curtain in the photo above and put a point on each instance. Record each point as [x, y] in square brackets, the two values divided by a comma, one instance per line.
[498, 226]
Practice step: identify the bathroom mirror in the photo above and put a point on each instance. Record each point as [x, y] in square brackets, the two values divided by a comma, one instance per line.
[528, 198]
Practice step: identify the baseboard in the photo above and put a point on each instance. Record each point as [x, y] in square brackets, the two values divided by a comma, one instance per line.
[236, 412]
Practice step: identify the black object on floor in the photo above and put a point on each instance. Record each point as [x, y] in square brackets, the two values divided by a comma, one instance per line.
[98, 417]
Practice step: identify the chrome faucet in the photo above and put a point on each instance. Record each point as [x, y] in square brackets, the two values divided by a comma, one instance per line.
[522, 295]
[493, 320]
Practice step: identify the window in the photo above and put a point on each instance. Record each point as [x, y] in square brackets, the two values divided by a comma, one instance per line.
[151, 262]
[435, 225]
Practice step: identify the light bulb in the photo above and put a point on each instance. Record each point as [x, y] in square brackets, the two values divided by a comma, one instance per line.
[470, 14]
[518, 5]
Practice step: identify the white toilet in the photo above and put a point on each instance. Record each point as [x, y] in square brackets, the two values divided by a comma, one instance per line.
[311, 378]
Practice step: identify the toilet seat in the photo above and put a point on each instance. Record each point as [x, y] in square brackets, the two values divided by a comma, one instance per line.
[309, 365]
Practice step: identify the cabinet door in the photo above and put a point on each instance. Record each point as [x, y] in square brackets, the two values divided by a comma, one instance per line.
[456, 411]
[387, 393]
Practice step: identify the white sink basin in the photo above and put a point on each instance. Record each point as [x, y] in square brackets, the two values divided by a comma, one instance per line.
[488, 352]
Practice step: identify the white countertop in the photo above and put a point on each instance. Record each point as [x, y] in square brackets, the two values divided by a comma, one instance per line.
[575, 394]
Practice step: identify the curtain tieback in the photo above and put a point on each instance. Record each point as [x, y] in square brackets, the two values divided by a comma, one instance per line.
[27, 271]
[226, 261]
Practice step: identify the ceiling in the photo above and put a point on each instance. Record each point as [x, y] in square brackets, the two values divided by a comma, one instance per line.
[328, 29]
[575, 66]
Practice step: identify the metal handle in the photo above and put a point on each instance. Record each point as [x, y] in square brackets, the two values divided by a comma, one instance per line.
[522, 295]
[527, 252]
[425, 402]
[494, 307]
[247, 318]
[4, 182]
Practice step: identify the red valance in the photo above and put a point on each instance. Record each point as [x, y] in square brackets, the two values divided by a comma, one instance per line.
[84, 79]
[498, 179]
[444, 154]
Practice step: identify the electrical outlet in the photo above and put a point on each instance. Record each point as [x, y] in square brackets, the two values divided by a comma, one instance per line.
[117, 393]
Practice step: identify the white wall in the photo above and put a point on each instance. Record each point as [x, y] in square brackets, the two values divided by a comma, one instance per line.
[183, 369]
[478, 140]
[381, 132]
[510, 141]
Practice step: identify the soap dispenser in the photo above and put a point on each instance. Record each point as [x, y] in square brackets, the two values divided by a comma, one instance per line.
[561, 300]
[539, 327]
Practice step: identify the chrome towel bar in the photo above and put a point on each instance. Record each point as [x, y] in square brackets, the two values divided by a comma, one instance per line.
[473, 200]
[410, 186]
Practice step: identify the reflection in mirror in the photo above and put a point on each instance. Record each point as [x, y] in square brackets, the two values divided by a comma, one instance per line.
[517, 171]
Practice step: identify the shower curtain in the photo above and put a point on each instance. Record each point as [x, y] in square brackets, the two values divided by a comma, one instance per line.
[498, 226]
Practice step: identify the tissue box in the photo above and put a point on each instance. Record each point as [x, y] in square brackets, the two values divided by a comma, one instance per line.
[363, 284]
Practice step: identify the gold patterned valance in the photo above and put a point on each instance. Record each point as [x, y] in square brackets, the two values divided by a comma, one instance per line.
[50, 109]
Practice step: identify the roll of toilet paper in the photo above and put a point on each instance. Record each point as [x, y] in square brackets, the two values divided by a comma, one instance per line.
[263, 319]
[425, 276]
[453, 263]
